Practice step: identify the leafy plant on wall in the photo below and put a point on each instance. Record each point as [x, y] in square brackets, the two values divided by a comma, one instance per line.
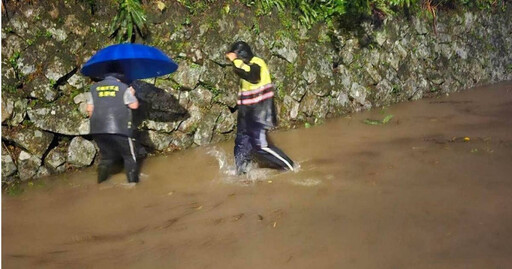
[309, 12]
[130, 22]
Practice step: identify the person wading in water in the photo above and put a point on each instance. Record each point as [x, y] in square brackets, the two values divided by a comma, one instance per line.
[109, 108]
[256, 111]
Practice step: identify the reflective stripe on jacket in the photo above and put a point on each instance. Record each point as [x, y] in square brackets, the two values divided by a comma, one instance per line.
[252, 92]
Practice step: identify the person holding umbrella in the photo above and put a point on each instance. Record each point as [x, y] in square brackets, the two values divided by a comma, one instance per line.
[256, 111]
[112, 100]
[109, 108]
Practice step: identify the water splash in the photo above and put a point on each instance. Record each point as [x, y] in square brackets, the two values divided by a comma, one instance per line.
[224, 164]
[227, 169]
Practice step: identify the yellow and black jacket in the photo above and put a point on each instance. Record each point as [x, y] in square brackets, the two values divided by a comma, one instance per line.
[255, 98]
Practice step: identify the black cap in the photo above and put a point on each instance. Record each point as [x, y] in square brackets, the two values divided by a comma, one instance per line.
[242, 50]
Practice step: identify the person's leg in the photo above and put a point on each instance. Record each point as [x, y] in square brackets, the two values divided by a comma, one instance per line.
[243, 150]
[140, 154]
[108, 154]
[268, 152]
[140, 151]
[277, 156]
[126, 148]
[243, 147]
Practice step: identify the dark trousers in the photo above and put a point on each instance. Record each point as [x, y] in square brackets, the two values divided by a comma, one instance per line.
[251, 143]
[113, 148]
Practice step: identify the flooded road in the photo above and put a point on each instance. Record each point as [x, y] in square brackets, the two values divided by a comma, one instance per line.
[432, 188]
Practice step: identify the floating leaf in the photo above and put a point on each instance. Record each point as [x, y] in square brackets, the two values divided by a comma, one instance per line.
[378, 122]
[387, 119]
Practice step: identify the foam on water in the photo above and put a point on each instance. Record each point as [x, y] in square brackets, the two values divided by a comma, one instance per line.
[308, 182]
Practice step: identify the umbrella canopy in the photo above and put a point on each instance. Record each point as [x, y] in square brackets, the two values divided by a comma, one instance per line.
[134, 61]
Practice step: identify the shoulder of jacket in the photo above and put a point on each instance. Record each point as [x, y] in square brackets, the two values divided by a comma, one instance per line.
[257, 60]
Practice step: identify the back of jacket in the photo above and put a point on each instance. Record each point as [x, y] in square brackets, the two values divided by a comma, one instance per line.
[111, 115]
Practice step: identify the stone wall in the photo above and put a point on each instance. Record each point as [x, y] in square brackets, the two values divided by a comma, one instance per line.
[319, 73]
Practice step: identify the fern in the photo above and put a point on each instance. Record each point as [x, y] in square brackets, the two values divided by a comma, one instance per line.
[129, 22]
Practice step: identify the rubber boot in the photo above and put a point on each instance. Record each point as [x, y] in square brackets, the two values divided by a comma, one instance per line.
[103, 172]
[133, 177]
[241, 169]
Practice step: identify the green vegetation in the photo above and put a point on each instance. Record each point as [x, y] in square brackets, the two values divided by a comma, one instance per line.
[129, 22]
[53, 83]
[215, 91]
[195, 6]
[256, 27]
[8, 30]
[290, 70]
[310, 12]
[33, 103]
[13, 60]
[323, 37]
[76, 92]
[281, 93]
[12, 89]
[286, 20]
[12, 188]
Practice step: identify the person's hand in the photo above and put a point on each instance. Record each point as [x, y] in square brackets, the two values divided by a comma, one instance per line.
[231, 56]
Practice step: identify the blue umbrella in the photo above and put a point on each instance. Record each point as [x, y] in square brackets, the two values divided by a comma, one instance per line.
[134, 61]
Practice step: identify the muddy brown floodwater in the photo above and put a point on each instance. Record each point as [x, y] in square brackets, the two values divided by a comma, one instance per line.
[432, 188]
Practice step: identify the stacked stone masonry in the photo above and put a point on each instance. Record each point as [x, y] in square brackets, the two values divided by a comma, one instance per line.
[319, 74]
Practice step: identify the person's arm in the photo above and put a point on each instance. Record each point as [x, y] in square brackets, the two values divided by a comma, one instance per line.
[129, 98]
[249, 72]
[90, 109]
[134, 105]
[90, 106]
